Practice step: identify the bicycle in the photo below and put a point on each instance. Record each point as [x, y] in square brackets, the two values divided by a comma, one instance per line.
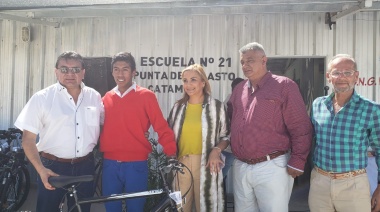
[168, 203]
[98, 158]
[15, 180]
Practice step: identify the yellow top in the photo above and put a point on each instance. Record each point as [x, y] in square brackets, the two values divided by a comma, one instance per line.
[190, 142]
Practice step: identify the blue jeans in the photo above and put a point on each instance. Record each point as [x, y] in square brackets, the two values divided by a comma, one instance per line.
[228, 163]
[49, 200]
[372, 173]
[124, 177]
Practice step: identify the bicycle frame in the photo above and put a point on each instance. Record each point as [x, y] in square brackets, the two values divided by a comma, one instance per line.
[115, 197]
[167, 202]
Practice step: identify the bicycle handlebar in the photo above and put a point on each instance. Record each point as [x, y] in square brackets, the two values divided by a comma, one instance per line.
[173, 164]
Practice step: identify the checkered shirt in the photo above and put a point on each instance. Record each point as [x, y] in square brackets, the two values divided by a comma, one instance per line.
[342, 139]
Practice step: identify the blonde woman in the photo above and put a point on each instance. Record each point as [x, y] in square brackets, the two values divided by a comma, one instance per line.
[201, 129]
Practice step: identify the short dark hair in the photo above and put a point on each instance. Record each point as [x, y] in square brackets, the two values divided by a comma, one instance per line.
[70, 55]
[126, 57]
[235, 82]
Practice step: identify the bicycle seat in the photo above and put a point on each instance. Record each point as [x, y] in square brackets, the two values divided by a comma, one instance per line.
[61, 181]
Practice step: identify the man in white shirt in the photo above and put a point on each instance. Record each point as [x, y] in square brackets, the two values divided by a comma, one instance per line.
[66, 116]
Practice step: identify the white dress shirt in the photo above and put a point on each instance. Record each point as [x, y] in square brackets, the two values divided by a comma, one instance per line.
[121, 95]
[66, 129]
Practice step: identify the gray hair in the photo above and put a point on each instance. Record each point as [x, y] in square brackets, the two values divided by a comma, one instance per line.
[252, 47]
[346, 56]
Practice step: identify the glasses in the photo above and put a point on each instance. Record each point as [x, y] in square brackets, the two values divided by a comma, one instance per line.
[74, 70]
[336, 74]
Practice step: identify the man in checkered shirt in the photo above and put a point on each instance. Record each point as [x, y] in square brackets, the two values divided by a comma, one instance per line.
[345, 125]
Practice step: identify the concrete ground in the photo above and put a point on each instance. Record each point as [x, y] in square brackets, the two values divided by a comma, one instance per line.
[298, 201]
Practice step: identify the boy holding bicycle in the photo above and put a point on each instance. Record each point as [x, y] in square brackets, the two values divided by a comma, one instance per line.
[129, 112]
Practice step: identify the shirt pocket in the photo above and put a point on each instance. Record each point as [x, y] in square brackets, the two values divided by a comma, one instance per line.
[264, 110]
[92, 115]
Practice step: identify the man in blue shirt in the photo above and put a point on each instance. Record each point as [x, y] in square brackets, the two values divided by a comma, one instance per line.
[345, 125]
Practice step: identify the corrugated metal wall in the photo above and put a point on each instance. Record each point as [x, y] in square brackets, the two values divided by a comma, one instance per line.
[26, 67]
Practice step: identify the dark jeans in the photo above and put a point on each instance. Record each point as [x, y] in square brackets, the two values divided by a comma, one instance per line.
[49, 200]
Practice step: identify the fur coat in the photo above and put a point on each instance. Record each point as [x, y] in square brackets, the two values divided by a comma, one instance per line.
[215, 127]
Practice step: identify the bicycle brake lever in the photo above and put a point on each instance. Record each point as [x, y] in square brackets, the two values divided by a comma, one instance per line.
[173, 161]
[181, 171]
[167, 169]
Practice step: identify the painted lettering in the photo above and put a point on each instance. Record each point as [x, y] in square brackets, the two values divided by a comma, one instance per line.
[166, 61]
[221, 76]
[371, 81]
[166, 88]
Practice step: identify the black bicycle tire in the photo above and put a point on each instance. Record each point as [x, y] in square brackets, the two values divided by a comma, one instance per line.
[26, 187]
[98, 178]
[192, 180]
[4, 195]
[19, 200]
[2, 173]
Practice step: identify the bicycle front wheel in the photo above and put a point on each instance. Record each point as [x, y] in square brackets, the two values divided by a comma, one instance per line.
[15, 190]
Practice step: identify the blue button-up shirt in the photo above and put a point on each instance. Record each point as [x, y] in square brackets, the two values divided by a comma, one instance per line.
[342, 139]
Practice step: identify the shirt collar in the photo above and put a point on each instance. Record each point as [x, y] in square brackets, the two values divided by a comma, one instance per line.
[263, 80]
[354, 98]
[61, 87]
[116, 90]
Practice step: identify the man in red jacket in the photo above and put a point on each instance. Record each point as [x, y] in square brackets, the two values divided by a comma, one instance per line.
[129, 112]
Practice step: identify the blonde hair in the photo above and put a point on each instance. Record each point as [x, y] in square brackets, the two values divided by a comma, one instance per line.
[206, 89]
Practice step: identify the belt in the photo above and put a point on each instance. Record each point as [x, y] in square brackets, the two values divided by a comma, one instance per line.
[264, 158]
[343, 175]
[64, 160]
